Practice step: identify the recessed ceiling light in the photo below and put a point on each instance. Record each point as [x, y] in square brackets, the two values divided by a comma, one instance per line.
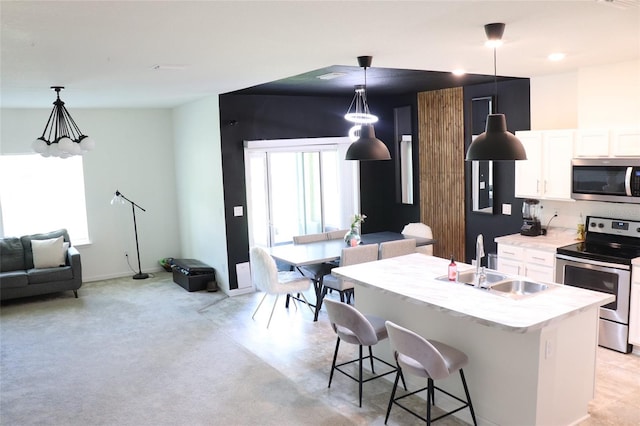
[556, 56]
[331, 75]
[458, 72]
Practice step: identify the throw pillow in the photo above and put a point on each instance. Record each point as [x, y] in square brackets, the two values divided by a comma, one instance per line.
[48, 253]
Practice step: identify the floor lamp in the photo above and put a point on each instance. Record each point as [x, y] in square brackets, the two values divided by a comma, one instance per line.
[118, 197]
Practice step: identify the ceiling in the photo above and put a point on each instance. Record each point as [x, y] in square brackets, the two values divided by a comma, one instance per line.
[134, 54]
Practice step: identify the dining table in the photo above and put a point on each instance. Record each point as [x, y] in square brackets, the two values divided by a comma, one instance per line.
[324, 255]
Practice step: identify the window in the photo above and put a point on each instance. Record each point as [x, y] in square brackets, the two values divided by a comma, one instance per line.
[297, 187]
[39, 194]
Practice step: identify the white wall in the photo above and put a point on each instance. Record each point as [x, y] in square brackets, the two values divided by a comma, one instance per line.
[200, 193]
[594, 97]
[134, 153]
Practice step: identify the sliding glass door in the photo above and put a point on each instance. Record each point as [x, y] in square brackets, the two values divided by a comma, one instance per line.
[296, 189]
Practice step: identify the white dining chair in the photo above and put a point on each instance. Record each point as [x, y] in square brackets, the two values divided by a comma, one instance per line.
[397, 248]
[266, 277]
[419, 229]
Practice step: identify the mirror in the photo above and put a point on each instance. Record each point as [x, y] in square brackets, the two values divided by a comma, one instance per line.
[404, 155]
[481, 171]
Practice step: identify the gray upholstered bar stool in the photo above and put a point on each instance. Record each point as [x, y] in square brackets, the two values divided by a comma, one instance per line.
[430, 359]
[353, 327]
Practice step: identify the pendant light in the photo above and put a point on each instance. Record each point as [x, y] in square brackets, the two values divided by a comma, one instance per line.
[61, 136]
[496, 143]
[367, 147]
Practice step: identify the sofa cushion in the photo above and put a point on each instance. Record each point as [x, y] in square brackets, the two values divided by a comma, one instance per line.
[14, 279]
[26, 243]
[47, 275]
[48, 253]
[11, 254]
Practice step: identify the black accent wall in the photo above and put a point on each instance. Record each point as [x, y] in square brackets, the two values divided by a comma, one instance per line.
[255, 117]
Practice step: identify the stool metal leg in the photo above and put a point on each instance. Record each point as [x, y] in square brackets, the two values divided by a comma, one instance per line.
[393, 394]
[371, 359]
[259, 304]
[333, 364]
[466, 391]
[360, 376]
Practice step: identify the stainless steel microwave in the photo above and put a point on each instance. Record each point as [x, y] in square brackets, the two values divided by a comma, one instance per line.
[606, 179]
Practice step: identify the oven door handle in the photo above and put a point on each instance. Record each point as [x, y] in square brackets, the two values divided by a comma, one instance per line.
[594, 262]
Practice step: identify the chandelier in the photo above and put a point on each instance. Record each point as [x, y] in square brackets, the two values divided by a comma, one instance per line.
[61, 136]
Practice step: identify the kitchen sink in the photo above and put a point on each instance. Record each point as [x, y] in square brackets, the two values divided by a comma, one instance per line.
[501, 284]
[518, 287]
[469, 277]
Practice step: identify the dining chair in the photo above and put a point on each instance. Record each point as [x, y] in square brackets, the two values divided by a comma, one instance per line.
[397, 248]
[266, 277]
[309, 238]
[353, 327]
[428, 359]
[337, 234]
[349, 256]
[419, 229]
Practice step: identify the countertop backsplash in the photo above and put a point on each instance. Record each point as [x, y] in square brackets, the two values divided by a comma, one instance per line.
[572, 213]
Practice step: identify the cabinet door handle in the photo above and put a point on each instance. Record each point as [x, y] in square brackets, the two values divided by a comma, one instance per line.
[509, 252]
[538, 258]
[545, 186]
[537, 185]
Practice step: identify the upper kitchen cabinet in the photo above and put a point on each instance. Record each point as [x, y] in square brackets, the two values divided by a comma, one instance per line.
[626, 142]
[546, 173]
[593, 143]
[618, 142]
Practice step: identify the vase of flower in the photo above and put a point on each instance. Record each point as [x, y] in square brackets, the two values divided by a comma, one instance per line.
[353, 238]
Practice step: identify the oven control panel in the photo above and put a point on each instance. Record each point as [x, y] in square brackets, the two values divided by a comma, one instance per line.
[610, 226]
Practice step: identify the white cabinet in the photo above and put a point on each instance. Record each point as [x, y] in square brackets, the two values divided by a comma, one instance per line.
[634, 313]
[626, 142]
[546, 174]
[617, 142]
[539, 265]
[592, 143]
[510, 259]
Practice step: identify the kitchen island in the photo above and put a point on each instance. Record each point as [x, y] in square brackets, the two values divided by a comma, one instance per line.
[532, 359]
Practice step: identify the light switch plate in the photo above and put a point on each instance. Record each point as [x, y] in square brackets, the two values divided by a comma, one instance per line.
[237, 211]
[506, 209]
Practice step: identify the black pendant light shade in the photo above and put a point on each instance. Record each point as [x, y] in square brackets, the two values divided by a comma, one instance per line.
[368, 147]
[496, 143]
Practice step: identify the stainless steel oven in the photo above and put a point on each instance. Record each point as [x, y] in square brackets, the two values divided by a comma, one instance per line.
[608, 278]
[603, 263]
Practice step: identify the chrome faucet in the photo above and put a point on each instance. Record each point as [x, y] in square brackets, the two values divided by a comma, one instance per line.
[480, 278]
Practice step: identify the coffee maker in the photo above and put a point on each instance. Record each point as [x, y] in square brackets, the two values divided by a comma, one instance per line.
[531, 218]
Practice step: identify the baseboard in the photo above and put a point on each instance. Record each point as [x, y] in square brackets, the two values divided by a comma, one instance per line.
[118, 275]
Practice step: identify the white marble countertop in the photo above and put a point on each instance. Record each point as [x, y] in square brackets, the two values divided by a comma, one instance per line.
[556, 237]
[414, 277]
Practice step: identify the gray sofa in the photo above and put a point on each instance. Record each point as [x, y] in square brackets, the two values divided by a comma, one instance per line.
[19, 277]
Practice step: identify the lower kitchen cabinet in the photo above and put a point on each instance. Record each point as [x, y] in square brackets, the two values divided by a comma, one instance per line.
[634, 312]
[536, 264]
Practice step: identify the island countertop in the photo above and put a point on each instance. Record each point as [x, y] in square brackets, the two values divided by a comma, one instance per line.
[413, 277]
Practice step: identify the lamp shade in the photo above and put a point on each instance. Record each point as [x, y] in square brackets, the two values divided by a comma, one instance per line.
[496, 143]
[368, 147]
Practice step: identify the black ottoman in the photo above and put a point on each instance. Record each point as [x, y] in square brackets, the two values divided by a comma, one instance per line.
[193, 275]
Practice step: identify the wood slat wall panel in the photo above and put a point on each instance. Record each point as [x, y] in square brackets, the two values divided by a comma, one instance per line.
[441, 153]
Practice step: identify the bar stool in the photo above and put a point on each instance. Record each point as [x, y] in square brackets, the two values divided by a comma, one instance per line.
[353, 327]
[430, 359]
